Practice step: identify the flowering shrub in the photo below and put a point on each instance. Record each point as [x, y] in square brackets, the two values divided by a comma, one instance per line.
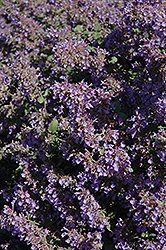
[83, 124]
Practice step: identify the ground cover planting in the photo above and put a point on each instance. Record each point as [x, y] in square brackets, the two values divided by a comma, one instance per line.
[82, 124]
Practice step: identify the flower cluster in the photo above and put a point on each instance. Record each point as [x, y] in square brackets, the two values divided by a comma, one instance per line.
[25, 229]
[83, 124]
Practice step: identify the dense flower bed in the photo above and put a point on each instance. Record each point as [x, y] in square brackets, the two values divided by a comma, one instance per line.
[83, 124]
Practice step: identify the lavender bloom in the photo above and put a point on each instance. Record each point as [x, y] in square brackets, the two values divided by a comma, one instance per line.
[82, 130]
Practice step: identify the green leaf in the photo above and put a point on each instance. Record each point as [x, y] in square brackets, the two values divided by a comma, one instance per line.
[113, 60]
[108, 228]
[136, 31]
[20, 110]
[117, 106]
[1, 4]
[46, 92]
[42, 15]
[59, 10]
[97, 27]
[146, 35]
[78, 29]
[152, 235]
[97, 35]
[145, 235]
[53, 126]
[86, 32]
[122, 115]
[109, 247]
[102, 151]
[19, 169]
[54, 141]
[50, 58]
[40, 99]
[131, 170]
[51, 241]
